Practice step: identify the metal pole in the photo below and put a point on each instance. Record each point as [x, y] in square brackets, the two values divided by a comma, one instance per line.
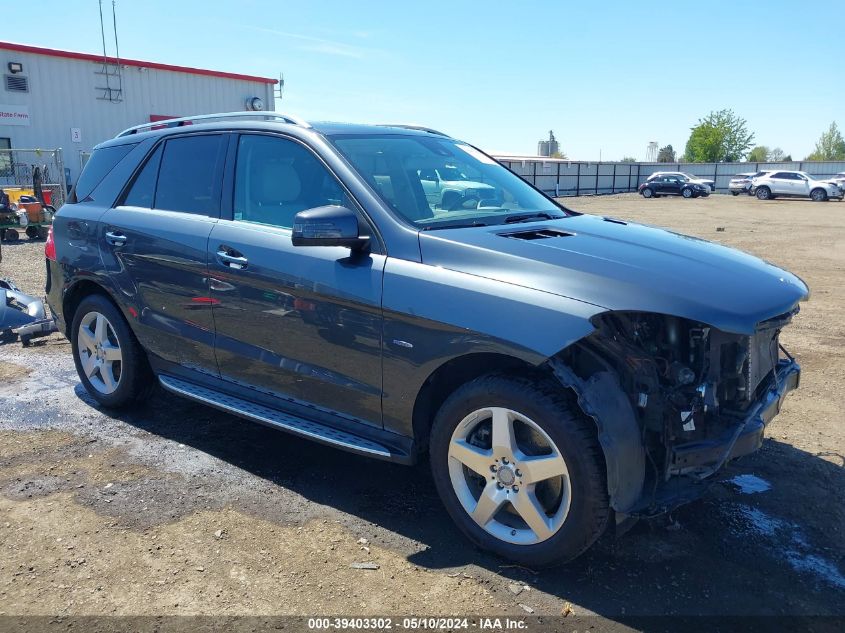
[61, 165]
[578, 181]
[613, 184]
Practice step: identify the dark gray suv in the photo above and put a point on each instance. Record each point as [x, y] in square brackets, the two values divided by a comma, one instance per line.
[563, 372]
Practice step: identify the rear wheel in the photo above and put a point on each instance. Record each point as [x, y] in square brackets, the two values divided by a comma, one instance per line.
[109, 361]
[764, 193]
[11, 235]
[818, 195]
[32, 232]
[734, 193]
[519, 469]
[647, 193]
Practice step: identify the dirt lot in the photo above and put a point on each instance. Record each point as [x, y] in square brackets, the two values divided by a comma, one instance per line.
[178, 509]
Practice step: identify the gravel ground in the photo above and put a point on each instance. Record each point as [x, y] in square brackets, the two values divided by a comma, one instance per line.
[175, 508]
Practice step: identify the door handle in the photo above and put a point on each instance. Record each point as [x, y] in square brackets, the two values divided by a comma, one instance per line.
[232, 260]
[115, 238]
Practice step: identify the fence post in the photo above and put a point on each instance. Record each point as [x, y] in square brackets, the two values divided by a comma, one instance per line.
[613, 184]
[578, 181]
[557, 181]
[61, 165]
[598, 170]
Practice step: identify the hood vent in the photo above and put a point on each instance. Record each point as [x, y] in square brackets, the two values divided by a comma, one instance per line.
[614, 221]
[537, 234]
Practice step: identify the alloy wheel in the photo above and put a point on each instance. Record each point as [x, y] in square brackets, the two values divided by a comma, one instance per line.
[509, 476]
[99, 352]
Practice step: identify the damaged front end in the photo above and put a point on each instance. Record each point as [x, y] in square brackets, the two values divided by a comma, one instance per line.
[698, 397]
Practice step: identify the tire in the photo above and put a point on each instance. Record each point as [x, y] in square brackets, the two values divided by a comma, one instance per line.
[818, 195]
[11, 235]
[32, 232]
[688, 193]
[764, 193]
[123, 375]
[647, 193]
[544, 418]
[734, 193]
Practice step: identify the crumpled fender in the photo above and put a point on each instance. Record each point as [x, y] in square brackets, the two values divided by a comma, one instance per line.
[602, 398]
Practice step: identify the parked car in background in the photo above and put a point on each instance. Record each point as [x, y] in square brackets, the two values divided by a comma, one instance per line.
[741, 183]
[449, 188]
[710, 184]
[562, 371]
[795, 184]
[672, 185]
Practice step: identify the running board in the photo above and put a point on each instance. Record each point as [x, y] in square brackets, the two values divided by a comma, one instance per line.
[275, 418]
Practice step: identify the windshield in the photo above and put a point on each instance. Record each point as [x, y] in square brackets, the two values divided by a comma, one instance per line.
[472, 188]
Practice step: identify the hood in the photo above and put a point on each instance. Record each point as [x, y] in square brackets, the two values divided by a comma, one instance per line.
[621, 266]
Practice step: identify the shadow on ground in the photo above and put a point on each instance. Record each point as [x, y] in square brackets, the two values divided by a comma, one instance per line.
[772, 553]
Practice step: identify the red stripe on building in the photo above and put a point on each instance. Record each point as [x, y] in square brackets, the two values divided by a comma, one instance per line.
[52, 52]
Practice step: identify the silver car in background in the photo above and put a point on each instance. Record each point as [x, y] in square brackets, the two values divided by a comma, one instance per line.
[741, 183]
[794, 184]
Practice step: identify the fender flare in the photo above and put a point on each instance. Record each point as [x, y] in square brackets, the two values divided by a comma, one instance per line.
[601, 397]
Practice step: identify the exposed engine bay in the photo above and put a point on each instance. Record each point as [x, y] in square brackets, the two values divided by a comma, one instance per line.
[692, 389]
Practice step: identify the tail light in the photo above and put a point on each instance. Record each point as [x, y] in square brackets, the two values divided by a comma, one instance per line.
[50, 246]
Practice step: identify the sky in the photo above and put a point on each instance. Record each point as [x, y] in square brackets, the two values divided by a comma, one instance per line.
[607, 76]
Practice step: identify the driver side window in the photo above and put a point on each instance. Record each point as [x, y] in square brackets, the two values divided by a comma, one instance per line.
[276, 178]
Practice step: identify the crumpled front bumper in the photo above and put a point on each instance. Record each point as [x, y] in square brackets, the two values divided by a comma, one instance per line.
[706, 457]
[695, 463]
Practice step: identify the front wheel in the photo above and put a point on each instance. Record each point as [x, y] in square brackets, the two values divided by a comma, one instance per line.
[109, 361]
[687, 193]
[734, 193]
[818, 195]
[519, 469]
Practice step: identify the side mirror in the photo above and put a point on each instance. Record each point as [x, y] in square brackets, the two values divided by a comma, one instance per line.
[328, 226]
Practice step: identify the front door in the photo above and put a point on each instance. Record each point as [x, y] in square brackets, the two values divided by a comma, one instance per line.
[303, 323]
[154, 245]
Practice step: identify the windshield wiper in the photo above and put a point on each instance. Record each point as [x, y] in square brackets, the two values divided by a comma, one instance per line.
[453, 226]
[530, 217]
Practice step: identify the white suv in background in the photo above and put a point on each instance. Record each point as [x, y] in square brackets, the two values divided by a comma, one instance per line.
[796, 184]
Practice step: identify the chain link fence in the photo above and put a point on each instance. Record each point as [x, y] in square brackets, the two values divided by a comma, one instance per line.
[41, 172]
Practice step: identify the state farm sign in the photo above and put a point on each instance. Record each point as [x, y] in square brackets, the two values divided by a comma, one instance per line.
[14, 115]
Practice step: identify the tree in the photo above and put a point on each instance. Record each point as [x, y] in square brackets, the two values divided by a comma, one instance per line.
[759, 154]
[666, 155]
[787, 158]
[559, 154]
[776, 155]
[628, 159]
[719, 137]
[831, 145]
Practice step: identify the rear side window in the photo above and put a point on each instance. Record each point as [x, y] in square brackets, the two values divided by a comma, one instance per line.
[189, 177]
[102, 161]
[142, 193]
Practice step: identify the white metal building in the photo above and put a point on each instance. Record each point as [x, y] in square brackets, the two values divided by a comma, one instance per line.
[52, 99]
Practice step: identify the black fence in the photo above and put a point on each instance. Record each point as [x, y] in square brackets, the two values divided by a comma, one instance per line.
[578, 178]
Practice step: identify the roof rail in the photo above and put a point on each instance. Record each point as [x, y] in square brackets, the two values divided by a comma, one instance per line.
[188, 120]
[419, 128]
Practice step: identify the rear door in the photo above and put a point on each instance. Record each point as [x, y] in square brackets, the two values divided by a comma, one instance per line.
[155, 244]
[781, 183]
[302, 323]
